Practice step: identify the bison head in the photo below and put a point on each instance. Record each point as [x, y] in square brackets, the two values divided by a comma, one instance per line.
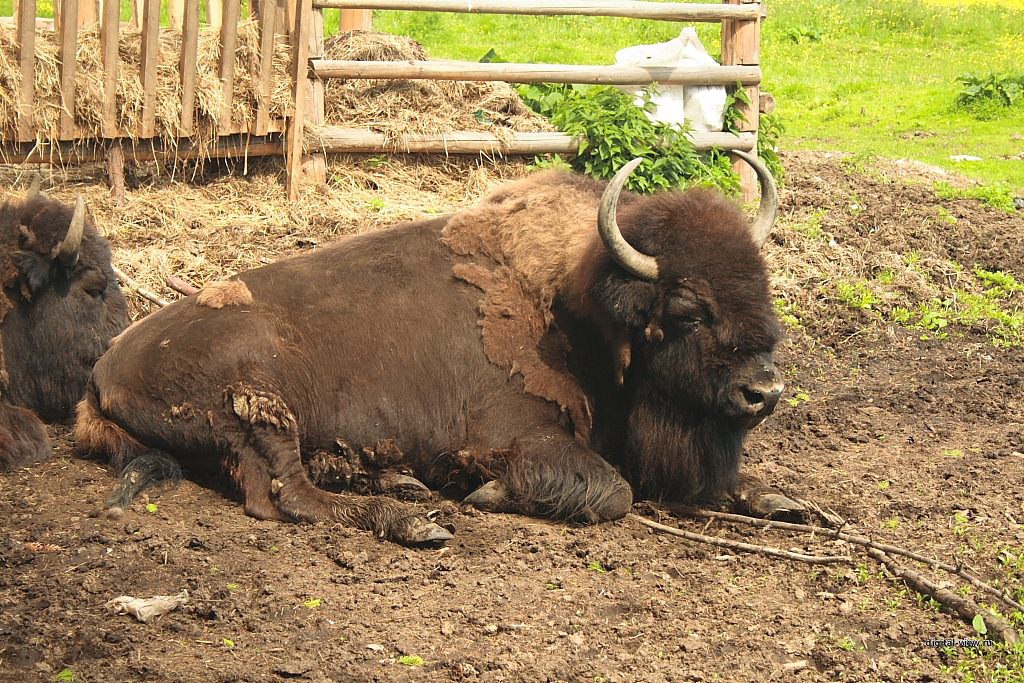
[61, 303]
[684, 276]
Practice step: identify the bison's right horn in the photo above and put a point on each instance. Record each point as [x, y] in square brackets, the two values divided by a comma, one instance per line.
[641, 265]
[72, 243]
[769, 206]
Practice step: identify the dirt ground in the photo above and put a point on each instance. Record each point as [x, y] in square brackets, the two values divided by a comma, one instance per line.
[913, 437]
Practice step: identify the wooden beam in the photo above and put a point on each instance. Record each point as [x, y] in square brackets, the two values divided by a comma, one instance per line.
[27, 65]
[537, 73]
[187, 65]
[610, 8]
[68, 29]
[300, 79]
[88, 12]
[150, 51]
[340, 139]
[228, 44]
[234, 146]
[314, 166]
[109, 30]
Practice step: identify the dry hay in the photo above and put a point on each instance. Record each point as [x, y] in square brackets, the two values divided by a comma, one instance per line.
[399, 107]
[209, 99]
[206, 232]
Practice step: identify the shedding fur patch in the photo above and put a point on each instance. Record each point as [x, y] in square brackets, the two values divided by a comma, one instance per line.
[516, 336]
[224, 293]
[260, 408]
[94, 433]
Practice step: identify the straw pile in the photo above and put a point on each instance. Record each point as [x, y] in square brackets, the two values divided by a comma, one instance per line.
[399, 107]
[209, 100]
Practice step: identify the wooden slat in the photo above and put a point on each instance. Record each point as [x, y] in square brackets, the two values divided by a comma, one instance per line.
[340, 139]
[314, 165]
[300, 77]
[176, 13]
[538, 73]
[228, 43]
[108, 46]
[741, 42]
[68, 28]
[150, 37]
[265, 72]
[88, 12]
[26, 64]
[609, 8]
[187, 65]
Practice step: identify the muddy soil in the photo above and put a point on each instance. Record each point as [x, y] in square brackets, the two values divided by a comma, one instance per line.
[914, 438]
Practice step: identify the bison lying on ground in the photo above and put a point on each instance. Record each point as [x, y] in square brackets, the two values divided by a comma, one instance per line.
[529, 352]
[59, 308]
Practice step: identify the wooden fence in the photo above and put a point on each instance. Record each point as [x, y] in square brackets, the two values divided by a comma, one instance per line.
[300, 24]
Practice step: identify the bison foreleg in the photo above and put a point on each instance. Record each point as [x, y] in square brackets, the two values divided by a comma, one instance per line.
[545, 478]
[270, 432]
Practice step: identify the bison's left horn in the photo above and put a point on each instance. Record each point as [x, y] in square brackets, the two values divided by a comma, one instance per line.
[769, 206]
[34, 188]
[641, 265]
[72, 243]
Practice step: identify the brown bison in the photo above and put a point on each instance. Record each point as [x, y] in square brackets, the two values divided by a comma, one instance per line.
[60, 307]
[554, 351]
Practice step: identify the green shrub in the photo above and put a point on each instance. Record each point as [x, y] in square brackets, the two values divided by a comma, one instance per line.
[987, 97]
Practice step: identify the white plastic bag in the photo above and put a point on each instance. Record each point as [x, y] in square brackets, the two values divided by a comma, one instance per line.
[703, 106]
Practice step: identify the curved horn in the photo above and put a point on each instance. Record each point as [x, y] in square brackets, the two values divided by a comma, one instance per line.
[769, 206]
[34, 188]
[639, 264]
[72, 243]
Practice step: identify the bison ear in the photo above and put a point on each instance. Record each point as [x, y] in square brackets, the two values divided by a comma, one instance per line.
[628, 301]
[35, 269]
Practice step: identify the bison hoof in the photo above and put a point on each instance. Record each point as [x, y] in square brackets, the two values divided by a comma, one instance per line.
[419, 530]
[401, 486]
[773, 506]
[492, 496]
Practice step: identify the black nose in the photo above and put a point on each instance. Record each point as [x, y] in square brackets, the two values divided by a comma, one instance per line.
[759, 398]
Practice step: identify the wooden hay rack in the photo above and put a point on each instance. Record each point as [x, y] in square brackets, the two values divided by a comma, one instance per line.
[298, 25]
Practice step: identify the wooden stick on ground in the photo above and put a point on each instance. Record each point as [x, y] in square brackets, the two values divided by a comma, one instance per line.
[141, 291]
[963, 573]
[181, 286]
[951, 602]
[740, 546]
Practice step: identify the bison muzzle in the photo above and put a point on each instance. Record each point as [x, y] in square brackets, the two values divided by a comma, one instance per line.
[556, 350]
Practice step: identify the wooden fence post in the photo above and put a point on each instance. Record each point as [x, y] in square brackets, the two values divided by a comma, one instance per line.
[314, 166]
[355, 20]
[149, 56]
[187, 65]
[300, 75]
[27, 64]
[68, 33]
[741, 45]
[228, 44]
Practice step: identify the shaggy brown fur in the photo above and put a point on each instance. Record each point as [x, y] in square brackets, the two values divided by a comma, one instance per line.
[96, 434]
[225, 293]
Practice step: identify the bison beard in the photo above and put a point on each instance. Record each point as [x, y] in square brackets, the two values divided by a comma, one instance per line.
[503, 349]
[59, 307]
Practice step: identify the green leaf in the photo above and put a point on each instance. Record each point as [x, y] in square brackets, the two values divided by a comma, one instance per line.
[410, 660]
[65, 676]
[979, 624]
[151, 508]
[312, 603]
[228, 643]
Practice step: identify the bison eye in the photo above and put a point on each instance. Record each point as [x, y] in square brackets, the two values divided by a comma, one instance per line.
[685, 310]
